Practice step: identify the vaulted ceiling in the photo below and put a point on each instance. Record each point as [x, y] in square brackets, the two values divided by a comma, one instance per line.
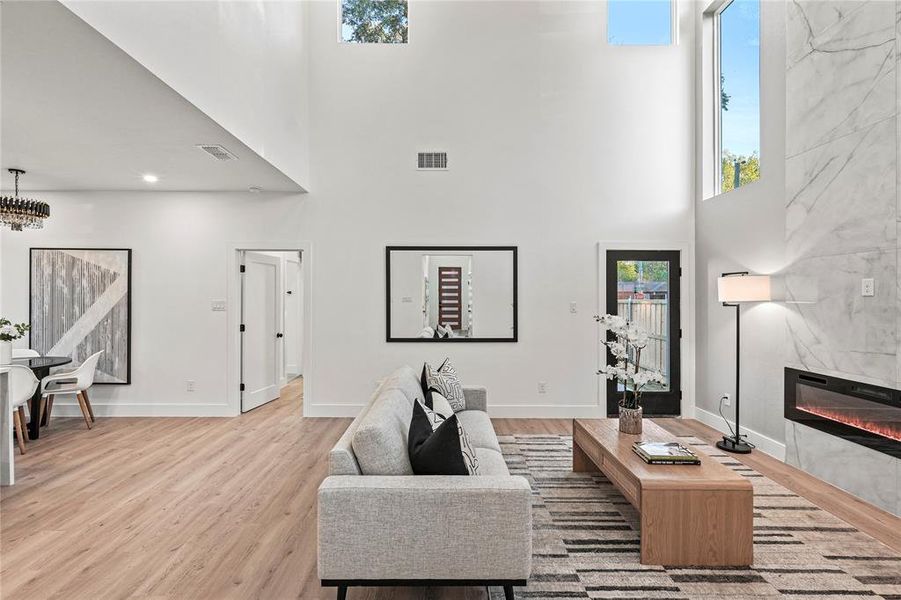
[78, 113]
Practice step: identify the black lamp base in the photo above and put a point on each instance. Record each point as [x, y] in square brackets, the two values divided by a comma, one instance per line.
[732, 444]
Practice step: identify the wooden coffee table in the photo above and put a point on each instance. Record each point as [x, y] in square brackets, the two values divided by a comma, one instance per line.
[690, 515]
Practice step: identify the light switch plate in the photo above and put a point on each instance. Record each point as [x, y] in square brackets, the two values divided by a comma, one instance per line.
[867, 287]
[573, 307]
[217, 305]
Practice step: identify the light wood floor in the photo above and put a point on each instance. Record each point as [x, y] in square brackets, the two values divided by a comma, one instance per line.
[222, 508]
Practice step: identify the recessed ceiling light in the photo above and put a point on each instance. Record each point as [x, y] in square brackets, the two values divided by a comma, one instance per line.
[151, 178]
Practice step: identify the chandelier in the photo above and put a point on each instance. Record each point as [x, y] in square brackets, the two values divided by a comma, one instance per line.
[22, 213]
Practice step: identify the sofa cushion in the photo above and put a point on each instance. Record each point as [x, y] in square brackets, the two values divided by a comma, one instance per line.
[380, 441]
[491, 463]
[439, 446]
[405, 380]
[478, 426]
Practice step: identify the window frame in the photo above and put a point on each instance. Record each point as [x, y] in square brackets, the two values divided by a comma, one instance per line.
[711, 99]
[343, 42]
[673, 25]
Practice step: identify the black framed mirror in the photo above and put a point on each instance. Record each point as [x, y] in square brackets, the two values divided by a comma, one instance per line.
[451, 293]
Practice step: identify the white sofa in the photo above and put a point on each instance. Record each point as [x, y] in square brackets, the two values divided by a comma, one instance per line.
[381, 525]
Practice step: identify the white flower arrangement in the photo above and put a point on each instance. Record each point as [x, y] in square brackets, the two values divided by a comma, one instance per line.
[630, 340]
[12, 331]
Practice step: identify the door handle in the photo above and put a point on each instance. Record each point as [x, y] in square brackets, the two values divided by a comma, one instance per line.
[279, 335]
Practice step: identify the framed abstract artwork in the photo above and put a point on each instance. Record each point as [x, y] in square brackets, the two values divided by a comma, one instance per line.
[80, 303]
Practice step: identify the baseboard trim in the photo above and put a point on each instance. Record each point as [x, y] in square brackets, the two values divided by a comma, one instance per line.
[502, 411]
[546, 411]
[61, 409]
[765, 444]
[331, 410]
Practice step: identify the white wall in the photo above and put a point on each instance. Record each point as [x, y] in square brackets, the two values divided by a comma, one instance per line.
[745, 230]
[179, 258]
[242, 63]
[556, 141]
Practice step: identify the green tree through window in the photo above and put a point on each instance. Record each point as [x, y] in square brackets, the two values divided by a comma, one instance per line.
[374, 21]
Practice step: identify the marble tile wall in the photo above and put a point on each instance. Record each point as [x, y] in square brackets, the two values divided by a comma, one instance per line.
[842, 215]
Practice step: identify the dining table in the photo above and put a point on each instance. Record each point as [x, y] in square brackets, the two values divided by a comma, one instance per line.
[40, 366]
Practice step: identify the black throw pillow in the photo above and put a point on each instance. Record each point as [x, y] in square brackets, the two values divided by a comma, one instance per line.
[444, 450]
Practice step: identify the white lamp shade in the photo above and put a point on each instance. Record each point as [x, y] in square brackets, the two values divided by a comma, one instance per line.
[744, 288]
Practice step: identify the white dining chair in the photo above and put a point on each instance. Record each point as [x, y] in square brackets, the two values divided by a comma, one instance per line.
[22, 384]
[25, 353]
[75, 383]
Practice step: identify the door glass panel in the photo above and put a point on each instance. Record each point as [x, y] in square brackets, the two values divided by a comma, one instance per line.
[643, 297]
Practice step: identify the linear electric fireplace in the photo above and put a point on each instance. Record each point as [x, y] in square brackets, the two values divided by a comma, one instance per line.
[865, 414]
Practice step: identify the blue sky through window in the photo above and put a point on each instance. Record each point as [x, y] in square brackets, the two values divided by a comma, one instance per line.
[740, 66]
[639, 22]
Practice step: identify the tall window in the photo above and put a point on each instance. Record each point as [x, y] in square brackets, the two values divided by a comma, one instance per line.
[640, 22]
[374, 21]
[738, 57]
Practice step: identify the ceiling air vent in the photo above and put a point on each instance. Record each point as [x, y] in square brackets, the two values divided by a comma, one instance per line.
[217, 151]
[432, 161]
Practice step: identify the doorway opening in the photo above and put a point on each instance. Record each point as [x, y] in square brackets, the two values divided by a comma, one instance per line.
[271, 326]
[644, 287]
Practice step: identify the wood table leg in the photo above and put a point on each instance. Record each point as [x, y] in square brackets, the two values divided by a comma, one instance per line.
[710, 527]
[582, 463]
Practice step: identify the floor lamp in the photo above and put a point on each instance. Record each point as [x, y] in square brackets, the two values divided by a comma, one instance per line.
[734, 289]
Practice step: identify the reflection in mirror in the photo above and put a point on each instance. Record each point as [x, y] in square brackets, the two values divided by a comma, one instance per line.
[451, 293]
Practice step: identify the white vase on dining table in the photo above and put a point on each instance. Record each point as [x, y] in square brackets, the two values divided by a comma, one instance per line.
[6, 352]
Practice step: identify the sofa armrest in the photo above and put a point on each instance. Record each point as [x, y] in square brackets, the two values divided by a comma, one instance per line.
[476, 397]
[425, 527]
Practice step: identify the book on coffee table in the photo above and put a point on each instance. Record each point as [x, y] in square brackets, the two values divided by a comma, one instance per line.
[665, 453]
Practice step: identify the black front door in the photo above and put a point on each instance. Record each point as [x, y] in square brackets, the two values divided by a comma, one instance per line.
[643, 286]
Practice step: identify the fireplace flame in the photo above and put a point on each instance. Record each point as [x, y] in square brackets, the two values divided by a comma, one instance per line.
[889, 430]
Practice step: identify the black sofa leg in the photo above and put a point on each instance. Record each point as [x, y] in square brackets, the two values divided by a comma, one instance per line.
[508, 592]
[342, 592]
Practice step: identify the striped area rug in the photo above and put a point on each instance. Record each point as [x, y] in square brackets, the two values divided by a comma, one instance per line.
[586, 540]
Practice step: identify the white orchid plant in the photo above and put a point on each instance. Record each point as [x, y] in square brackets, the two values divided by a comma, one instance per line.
[10, 331]
[629, 340]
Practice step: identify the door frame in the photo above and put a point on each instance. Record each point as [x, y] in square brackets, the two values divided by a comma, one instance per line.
[288, 262]
[233, 316]
[686, 309]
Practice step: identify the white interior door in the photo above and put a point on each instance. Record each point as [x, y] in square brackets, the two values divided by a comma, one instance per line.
[260, 338]
[293, 317]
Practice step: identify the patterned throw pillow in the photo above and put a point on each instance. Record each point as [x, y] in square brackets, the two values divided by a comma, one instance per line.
[446, 382]
[439, 446]
[440, 404]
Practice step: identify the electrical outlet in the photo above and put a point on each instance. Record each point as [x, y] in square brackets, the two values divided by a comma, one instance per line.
[867, 287]
[727, 399]
[217, 305]
[542, 387]
[189, 385]
[573, 307]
